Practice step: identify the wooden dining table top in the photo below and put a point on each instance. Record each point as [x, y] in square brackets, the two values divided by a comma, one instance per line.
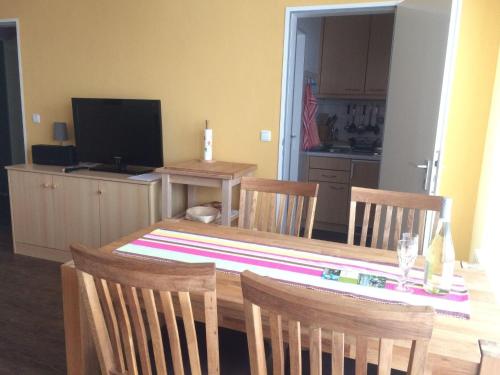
[454, 347]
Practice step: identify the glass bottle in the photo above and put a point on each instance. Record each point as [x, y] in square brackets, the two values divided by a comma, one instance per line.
[440, 256]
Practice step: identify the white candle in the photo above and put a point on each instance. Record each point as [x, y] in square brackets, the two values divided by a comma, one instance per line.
[207, 150]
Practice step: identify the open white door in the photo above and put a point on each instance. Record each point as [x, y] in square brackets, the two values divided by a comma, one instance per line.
[291, 145]
[418, 94]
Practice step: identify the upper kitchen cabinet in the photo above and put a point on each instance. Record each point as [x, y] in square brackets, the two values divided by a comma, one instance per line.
[355, 55]
[345, 51]
[379, 54]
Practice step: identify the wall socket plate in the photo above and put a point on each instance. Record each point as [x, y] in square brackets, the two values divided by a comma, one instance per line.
[36, 118]
[265, 135]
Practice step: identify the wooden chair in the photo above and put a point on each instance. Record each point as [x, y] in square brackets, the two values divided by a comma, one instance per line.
[276, 206]
[327, 318]
[387, 214]
[113, 290]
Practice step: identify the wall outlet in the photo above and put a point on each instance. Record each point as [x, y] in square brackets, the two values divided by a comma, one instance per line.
[36, 118]
[265, 135]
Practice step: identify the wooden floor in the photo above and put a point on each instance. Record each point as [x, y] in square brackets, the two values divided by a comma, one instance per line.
[31, 319]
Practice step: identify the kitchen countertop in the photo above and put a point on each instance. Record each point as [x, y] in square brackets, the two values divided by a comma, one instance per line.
[345, 155]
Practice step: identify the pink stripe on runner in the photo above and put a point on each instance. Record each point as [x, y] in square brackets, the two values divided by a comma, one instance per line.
[233, 258]
[364, 267]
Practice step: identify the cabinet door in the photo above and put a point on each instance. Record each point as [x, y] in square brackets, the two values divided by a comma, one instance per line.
[32, 204]
[345, 50]
[379, 54]
[76, 211]
[364, 174]
[332, 203]
[124, 208]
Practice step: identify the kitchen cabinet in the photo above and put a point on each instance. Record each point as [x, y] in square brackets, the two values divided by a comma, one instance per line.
[117, 202]
[365, 174]
[379, 54]
[51, 210]
[356, 54]
[345, 52]
[335, 176]
[32, 206]
[77, 211]
[332, 206]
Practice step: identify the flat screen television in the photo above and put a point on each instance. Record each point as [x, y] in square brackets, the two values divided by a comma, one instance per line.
[119, 135]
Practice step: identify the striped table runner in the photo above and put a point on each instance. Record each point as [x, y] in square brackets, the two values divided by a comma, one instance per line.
[297, 267]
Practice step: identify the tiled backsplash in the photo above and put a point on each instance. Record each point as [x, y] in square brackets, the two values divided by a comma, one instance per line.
[368, 127]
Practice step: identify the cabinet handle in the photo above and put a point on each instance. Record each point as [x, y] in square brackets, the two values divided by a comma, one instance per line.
[53, 186]
[99, 192]
[45, 185]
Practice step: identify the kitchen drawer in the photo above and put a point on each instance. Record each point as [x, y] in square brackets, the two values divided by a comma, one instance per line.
[328, 175]
[333, 203]
[337, 164]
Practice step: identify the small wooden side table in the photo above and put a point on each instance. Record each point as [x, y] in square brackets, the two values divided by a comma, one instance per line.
[193, 173]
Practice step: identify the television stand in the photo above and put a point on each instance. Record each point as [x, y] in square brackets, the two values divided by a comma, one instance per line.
[125, 169]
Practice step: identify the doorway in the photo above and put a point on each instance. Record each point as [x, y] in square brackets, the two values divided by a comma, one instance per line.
[12, 136]
[399, 121]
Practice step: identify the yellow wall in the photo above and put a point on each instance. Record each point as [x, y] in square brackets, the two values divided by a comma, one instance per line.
[475, 68]
[485, 233]
[220, 60]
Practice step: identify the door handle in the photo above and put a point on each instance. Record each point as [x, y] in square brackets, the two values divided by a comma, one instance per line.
[428, 169]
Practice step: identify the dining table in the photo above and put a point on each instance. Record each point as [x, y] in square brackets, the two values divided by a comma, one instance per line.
[458, 346]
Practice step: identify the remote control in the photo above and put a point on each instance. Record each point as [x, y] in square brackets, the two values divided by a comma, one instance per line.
[73, 168]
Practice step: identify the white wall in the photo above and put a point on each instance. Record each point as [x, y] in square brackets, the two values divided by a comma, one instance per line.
[312, 27]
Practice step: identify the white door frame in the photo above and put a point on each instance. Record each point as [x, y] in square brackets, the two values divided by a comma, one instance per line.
[15, 22]
[291, 16]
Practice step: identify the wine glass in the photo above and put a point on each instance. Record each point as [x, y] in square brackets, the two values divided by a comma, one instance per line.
[407, 254]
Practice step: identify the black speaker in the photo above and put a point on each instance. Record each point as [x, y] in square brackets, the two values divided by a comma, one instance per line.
[54, 155]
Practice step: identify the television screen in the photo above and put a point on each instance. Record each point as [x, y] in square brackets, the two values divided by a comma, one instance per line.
[127, 128]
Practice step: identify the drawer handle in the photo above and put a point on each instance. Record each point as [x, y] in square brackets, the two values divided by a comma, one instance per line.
[352, 89]
[329, 176]
[336, 188]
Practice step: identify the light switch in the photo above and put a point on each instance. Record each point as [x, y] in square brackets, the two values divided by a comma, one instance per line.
[265, 135]
[36, 118]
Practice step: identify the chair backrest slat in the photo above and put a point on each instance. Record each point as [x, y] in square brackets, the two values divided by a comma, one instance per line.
[337, 351]
[111, 321]
[173, 331]
[277, 344]
[154, 327]
[294, 339]
[190, 330]
[277, 206]
[376, 225]
[385, 356]
[139, 328]
[123, 318]
[117, 290]
[317, 314]
[315, 363]
[361, 355]
[395, 213]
